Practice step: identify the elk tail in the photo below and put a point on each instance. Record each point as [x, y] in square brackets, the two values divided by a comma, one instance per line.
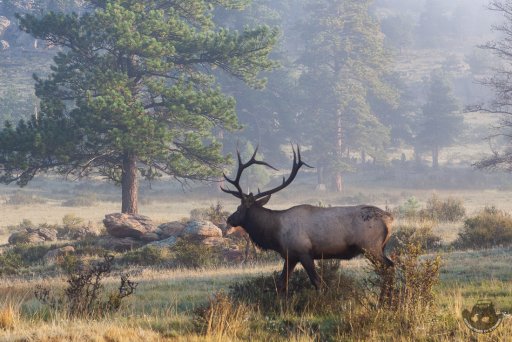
[387, 219]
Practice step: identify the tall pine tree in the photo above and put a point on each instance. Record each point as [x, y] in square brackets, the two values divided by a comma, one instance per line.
[133, 93]
[344, 65]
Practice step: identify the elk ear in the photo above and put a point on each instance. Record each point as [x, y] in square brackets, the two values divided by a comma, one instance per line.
[263, 201]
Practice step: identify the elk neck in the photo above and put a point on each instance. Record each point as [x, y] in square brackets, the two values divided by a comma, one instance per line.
[263, 226]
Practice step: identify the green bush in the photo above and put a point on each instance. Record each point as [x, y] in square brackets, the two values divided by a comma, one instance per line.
[10, 263]
[490, 227]
[23, 225]
[31, 254]
[23, 198]
[417, 232]
[447, 210]
[192, 255]
[409, 209]
[147, 256]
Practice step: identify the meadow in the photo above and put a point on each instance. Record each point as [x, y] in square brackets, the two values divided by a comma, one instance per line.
[170, 303]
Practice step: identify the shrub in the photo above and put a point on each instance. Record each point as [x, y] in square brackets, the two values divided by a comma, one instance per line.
[215, 214]
[192, 255]
[31, 253]
[490, 227]
[448, 210]
[84, 295]
[74, 228]
[10, 263]
[301, 297]
[9, 314]
[409, 209]
[23, 198]
[147, 256]
[24, 225]
[417, 232]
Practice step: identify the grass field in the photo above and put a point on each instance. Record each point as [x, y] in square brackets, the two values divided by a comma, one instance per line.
[165, 303]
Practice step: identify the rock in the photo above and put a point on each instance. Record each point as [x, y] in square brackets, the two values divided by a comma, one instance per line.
[150, 237]
[127, 225]
[4, 45]
[169, 229]
[49, 234]
[52, 255]
[214, 241]
[169, 242]
[233, 255]
[201, 229]
[119, 244]
[25, 237]
[4, 24]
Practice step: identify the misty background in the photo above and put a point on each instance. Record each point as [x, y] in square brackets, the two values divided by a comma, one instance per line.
[376, 98]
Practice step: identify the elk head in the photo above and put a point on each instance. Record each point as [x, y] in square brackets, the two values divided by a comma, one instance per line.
[251, 200]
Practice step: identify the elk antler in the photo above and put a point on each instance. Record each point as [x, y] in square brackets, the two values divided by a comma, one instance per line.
[297, 163]
[241, 167]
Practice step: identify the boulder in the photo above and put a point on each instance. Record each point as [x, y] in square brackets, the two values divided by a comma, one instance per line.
[77, 233]
[25, 236]
[128, 225]
[169, 229]
[48, 234]
[201, 229]
[119, 244]
[169, 242]
[52, 255]
[150, 237]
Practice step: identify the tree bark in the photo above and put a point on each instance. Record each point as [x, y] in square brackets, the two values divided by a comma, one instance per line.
[130, 185]
[435, 157]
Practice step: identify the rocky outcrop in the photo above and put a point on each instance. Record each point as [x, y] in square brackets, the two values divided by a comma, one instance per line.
[33, 235]
[201, 230]
[169, 242]
[128, 225]
[169, 229]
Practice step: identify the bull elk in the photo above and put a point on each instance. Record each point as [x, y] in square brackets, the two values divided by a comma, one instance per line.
[304, 233]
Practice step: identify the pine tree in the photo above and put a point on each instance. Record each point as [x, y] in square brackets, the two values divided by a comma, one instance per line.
[440, 123]
[345, 63]
[133, 93]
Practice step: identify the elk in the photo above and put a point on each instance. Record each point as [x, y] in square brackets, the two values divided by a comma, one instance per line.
[304, 233]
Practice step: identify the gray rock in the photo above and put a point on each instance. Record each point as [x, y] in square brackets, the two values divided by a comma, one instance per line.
[201, 229]
[25, 237]
[127, 225]
[169, 229]
[49, 234]
[150, 237]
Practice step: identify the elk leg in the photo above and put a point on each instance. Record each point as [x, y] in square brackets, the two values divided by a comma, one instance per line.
[282, 282]
[309, 265]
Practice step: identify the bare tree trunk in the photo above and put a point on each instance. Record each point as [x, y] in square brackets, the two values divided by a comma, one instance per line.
[129, 184]
[339, 181]
[320, 178]
[435, 157]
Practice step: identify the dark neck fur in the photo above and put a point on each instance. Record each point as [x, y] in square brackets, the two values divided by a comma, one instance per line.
[262, 226]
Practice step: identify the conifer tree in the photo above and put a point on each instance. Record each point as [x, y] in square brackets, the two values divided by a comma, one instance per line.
[133, 93]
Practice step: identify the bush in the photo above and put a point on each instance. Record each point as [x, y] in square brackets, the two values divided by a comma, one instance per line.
[10, 263]
[409, 209]
[490, 227]
[84, 295]
[147, 256]
[448, 210]
[192, 255]
[23, 198]
[24, 225]
[31, 253]
[215, 214]
[416, 232]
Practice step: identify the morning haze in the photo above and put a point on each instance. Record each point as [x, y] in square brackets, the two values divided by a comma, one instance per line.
[164, 165]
